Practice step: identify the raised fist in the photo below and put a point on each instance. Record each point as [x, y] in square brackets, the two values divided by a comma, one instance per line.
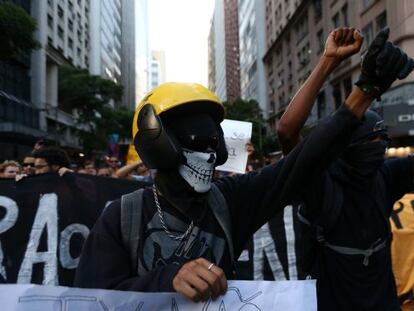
[384, 63]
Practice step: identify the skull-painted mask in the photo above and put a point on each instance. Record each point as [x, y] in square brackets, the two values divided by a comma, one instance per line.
[198, 171]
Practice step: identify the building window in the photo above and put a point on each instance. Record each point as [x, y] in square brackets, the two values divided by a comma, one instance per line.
[335, 20]
[70, 24]
[302, 28]
[50, 21]
[60, 11]
[321, 41]
[344, 12]
[381, 21]
[321, 105]
[70, 43]
[317, 4]
[368, 34]
[60, 32]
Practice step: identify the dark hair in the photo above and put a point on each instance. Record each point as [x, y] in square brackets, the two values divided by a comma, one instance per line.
[53, 156]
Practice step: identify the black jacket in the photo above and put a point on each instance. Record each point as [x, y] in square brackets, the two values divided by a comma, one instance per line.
[252, 200]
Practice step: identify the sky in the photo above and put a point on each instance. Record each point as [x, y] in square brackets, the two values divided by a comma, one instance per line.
[180, 28]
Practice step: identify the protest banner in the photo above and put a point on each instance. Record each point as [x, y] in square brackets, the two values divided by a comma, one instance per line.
[44, 221]
[54, 215]
[236, 134]
[246, 296]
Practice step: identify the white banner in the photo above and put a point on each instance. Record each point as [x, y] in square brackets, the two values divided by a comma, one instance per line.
[241, 295]
[236, 134]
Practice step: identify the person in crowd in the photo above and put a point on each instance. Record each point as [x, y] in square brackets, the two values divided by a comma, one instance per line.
[51, 159]
[184, 233]
[90, 168]
[346, 209]
[9, 169]
[28, 165]
[113, 163]
[105, 172]
[135, 171]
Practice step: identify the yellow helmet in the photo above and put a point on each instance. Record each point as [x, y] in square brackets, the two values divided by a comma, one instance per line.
[155, 145]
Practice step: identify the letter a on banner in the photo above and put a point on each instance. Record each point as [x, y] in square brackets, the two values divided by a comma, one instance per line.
[6, 223]
[46, 219]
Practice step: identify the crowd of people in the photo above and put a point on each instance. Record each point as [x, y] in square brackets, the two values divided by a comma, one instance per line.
[47, 159]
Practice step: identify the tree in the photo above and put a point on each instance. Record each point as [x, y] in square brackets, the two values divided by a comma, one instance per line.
[249, 111]
[17, 29]
[93, 98]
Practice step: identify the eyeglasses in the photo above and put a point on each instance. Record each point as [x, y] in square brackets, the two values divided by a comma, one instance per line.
[39, 166]
[28, 164]
[199, 143]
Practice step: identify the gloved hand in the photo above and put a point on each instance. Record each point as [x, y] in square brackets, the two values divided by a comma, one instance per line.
[383, 63]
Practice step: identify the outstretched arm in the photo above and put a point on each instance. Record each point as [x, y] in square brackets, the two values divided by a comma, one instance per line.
[341, 44]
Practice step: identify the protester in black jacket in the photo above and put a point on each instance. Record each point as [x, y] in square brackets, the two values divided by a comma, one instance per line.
[346, 209]
[184, 244]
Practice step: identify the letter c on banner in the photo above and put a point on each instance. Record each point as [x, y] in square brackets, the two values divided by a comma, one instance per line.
[66, 258]
[8, 221]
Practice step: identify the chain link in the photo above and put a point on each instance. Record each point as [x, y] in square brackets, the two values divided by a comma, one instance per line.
[164, 226]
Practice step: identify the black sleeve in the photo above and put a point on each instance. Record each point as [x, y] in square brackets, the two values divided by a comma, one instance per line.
[105, 263]
[399, 176]
[254, 198]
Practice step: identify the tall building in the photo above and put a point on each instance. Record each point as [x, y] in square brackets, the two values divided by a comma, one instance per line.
[211, 57]
[252, 49]
[231, 33]
[19, 118]
[63, 31]
[143, 53]
[128, 73]
[157, 73]
[106, 37]
[224, 50]
[219, 50]
[295, 37]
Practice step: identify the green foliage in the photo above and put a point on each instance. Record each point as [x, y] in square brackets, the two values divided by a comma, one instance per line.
[93, 98]
[249, 111]
[17, 28]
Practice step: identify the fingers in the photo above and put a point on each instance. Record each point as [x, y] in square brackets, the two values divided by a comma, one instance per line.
[392, 61]
[182, 287]
[379, 41]
[222, 278]
[358, 39]
[407, 69]
[204, 283]
[349, 36]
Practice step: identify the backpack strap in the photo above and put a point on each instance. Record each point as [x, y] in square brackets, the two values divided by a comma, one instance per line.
[131, 215]
[218, 205]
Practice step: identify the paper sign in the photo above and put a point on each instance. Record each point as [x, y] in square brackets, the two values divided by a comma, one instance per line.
[236, 134]
[241, 295]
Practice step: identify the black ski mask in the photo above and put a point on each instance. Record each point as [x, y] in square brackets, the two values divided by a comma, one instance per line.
[197, 134]
[366, 153]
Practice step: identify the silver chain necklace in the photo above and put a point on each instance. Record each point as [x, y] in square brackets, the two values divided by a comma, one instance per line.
[164, 226]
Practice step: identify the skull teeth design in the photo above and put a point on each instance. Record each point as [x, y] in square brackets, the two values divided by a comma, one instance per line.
[198, 169]
[200, 173]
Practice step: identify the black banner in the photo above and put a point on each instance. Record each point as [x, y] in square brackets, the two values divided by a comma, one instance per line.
[44, 221]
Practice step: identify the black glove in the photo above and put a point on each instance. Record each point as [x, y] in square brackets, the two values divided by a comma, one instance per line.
[392, 64]
[382, 65]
